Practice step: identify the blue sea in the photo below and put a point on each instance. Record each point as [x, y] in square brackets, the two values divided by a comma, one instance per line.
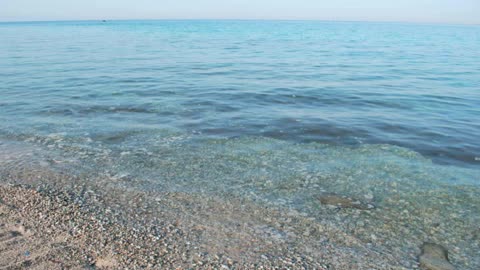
[273, 111]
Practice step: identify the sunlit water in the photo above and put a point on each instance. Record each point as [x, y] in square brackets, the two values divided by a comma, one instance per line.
[278, 112]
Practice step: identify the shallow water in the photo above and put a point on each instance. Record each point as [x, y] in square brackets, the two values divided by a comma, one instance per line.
[276, 112]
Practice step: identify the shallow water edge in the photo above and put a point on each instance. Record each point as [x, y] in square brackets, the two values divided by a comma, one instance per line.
[285, 199]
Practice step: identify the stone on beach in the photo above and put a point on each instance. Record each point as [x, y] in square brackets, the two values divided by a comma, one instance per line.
[344, 202]
[435, 257]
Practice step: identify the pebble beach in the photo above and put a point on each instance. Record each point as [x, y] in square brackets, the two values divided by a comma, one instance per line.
[69, 223]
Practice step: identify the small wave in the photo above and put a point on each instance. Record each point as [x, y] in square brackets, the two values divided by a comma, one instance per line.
[99, 109]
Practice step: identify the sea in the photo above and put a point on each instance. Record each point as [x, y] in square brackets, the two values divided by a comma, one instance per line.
[276, 112]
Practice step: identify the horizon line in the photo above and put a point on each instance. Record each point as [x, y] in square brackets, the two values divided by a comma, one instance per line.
[238, 19]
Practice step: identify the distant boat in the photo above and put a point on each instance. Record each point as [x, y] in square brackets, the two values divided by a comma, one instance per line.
[104, 20]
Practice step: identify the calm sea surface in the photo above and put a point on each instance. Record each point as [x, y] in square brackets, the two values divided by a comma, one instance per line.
[157, 96]
[166, 95]
[413, 86]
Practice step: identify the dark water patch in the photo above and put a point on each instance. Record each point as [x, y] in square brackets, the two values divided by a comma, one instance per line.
[113, 138]
[87, 110]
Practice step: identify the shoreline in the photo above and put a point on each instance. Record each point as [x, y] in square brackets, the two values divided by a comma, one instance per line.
[80, 218]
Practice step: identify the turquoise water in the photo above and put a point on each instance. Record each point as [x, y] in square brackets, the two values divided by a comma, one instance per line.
[276, 112]
[230, 106]
[414, 86]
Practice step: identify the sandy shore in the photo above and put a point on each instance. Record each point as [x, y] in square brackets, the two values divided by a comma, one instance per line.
[46, 229]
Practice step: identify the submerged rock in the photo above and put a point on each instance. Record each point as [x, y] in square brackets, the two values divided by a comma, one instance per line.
[344, 202]
[435, 257]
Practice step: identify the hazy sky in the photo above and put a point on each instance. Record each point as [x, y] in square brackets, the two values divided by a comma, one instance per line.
[444, 11]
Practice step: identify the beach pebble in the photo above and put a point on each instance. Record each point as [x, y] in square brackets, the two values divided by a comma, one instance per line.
[343, 202]
[435, 257]
[368, 196]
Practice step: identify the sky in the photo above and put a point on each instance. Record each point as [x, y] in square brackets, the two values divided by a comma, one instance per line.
[429, 11]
